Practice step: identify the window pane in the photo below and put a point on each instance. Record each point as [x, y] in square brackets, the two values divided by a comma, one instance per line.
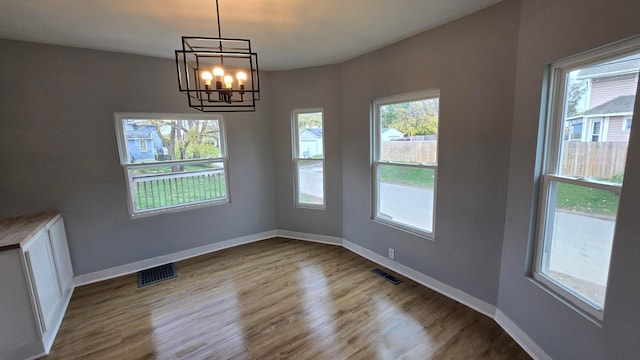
[310, 182]
[579, 238]
[409, 131]
[599, 98]
[310, 135]
[161, 186]
[149, 141]
[405, 195]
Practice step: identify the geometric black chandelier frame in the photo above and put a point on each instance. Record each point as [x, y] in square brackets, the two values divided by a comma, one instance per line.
[218, 74]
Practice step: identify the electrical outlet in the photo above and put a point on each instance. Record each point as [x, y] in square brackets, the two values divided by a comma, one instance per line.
[392, 253]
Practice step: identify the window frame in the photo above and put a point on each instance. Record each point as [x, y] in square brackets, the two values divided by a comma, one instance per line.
[126, 166]
[376, 153]
[555, 80]
[295, 142]
[626, 123]
[142, 142]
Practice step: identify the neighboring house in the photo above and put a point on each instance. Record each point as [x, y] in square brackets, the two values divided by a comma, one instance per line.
[390, 134]
[610, 95]
[143, 142]
[310, 142]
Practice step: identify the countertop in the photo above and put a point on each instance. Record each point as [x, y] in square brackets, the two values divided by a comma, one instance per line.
[15, 231]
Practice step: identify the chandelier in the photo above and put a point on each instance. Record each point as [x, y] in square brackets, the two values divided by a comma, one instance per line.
[218, 74]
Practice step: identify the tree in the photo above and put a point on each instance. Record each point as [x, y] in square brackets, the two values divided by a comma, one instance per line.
[575, 97]
[412, 118]
[308, 120]
[187, 139]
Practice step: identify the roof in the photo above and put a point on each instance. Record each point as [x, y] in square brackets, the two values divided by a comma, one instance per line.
[315, 131]
[384, 130]
[140, 132]
[626, 65]
[621, 104]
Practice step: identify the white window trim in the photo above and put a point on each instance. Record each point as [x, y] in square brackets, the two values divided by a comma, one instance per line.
[552, 150]
[295, 141]
[140, 143]
[375, 163]
[600, 135]
[122, 141]
[625, 120]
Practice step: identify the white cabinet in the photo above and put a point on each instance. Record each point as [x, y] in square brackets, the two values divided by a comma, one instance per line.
[60, 249]
[36, 279]
[44, 279]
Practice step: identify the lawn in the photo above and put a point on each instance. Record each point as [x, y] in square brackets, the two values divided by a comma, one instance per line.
[406, 175]
[586, 200]
[154, 194]
[569, 197]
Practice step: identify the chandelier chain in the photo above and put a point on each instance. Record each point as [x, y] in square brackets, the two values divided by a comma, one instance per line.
[218, 15]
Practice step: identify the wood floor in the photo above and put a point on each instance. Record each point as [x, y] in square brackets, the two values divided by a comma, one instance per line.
[275, 299]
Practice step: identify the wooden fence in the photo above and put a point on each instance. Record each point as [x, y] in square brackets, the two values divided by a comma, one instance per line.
[600, 160]
[410, 151]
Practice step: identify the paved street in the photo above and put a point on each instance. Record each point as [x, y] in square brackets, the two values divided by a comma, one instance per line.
[582, 246]
[414, 209]
[310, 179]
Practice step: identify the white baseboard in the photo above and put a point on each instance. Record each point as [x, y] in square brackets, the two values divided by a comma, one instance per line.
[160, 260]
[520, 336]
[323, 239]
[462, 297]
[444, 289]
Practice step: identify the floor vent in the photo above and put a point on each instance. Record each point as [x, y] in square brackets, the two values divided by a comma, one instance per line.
[156, 274]
[394, 280]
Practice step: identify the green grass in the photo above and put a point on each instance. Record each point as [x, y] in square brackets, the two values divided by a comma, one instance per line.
[569, 197]
[586, 200]
[178, 191]
[406, 175]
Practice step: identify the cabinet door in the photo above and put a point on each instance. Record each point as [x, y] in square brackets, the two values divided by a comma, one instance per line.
[58, 237]
[43, 278]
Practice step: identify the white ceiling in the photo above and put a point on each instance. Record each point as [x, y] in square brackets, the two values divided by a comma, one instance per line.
[286, 34]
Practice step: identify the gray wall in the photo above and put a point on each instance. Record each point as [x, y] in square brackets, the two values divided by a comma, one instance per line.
[472, 62]
[551, 30]
[58, 146]
[317, 87]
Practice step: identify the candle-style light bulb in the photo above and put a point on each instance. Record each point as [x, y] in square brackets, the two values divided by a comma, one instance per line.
[242, 77]
[206, 76]
[218, 72]
[228, 81]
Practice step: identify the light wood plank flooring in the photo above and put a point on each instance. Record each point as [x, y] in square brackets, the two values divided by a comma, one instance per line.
[275, 299]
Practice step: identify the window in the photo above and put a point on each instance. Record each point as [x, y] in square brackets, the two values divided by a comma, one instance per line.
[405, 168]
[573, 130]
[596, 130]
[182, 164]
[308, 158]
[581, 181]
[626, 124]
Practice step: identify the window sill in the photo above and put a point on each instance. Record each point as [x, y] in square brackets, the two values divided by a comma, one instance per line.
[576, 304]
[180, 208]
[408, 229]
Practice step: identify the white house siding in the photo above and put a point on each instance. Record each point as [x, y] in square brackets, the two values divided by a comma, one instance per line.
[609, 88]
[615, 130]
[310, 145]
[389, 134]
